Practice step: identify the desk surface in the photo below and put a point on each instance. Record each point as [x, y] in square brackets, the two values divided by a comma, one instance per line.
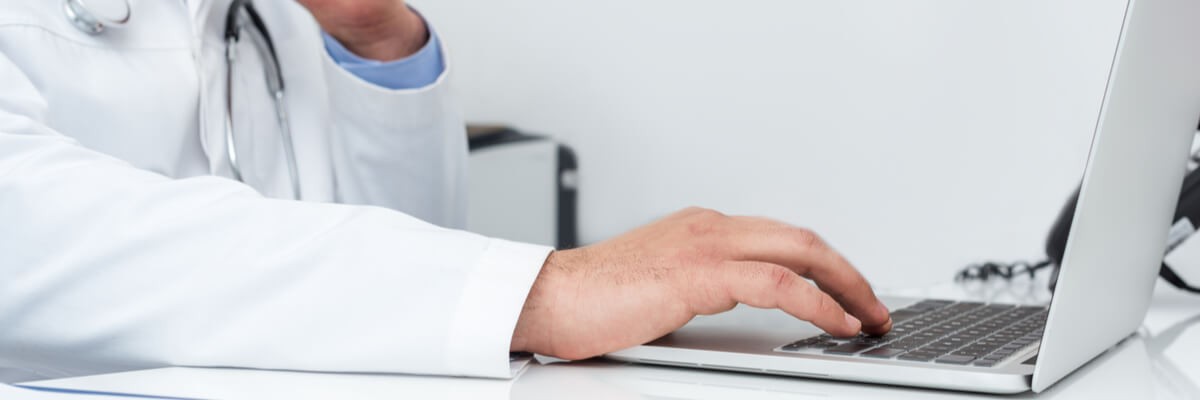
[1159, 362]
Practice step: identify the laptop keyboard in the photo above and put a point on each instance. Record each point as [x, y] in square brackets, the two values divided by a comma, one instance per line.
[941, 331]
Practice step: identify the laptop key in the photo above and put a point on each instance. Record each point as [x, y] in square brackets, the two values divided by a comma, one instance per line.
[902, 315]
[849, 348]
[798, 344]
[868, 340]
[905, 345]
[890, 336]
[938, 349]
[918, 356]
[883, 352]
[955, 359]
[967, 352]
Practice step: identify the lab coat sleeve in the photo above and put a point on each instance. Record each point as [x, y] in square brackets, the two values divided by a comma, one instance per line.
[107, 267]
[375, 131]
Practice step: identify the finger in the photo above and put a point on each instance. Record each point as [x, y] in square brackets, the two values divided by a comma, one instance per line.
[765, 285]
[802, 251]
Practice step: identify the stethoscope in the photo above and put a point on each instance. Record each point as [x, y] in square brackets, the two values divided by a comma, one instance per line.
[95, 16]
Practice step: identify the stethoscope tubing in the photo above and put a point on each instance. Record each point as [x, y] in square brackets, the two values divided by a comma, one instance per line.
[261, 39]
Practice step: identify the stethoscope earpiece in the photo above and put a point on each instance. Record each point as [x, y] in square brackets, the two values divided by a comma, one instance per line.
[93, 16]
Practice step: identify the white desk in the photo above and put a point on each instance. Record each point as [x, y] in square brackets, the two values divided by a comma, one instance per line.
[1161, 362]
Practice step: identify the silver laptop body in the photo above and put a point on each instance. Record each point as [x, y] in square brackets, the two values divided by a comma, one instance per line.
[1129, 191]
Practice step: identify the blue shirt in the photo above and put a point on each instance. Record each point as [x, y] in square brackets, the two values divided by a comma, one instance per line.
[415, 71]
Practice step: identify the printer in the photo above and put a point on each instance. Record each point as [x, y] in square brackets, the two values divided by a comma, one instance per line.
[522, 187]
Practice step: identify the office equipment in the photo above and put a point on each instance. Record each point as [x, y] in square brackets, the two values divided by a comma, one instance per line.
[522, 187]
[1142, 367]
[1130, 188]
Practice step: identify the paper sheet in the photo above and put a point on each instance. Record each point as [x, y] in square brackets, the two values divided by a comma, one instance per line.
[13, 392]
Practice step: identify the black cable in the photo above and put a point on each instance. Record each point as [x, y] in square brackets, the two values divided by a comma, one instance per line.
[1175, 280]
[989, 270]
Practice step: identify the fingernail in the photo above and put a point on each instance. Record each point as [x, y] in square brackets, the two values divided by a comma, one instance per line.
[853, 322]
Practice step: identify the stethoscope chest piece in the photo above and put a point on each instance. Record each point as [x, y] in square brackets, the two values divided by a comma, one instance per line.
[93, 16]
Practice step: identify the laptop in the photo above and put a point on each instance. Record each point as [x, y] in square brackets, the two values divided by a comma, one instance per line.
[1130, 187]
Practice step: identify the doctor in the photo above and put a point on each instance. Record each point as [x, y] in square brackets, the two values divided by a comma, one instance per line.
[173, 194]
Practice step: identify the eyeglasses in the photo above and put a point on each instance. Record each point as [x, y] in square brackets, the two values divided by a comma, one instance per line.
[990, 270]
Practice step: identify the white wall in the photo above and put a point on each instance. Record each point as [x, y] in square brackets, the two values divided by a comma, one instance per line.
[916, 135]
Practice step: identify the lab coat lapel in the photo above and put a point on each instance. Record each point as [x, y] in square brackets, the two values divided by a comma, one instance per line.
[208, 24]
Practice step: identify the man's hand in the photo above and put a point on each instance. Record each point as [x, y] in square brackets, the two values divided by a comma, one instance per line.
[651, 281]
[383, 30]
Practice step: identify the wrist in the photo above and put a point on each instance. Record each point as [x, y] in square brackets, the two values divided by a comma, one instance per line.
[384, 37]
[534, 331]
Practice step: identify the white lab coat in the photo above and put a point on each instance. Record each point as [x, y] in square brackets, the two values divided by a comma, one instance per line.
[124, 246]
